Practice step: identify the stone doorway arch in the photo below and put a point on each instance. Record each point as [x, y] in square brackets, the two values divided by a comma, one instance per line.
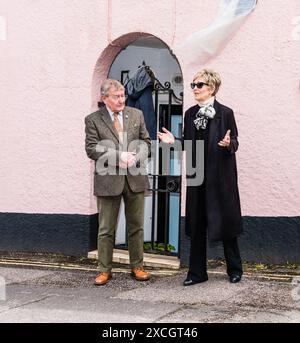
[107, 57]
[102, 71]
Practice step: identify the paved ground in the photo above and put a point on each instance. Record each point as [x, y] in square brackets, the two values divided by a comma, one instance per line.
[59, 295]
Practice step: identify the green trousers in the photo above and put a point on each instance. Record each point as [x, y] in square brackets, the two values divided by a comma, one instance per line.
[108, 208]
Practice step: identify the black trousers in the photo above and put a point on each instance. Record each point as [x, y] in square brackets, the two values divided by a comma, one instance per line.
[198, 231]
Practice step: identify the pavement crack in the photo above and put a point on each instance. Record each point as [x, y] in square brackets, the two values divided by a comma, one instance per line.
[170, 313]
[25, 304]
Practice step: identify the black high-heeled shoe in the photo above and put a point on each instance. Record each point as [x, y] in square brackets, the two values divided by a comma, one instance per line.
[189, 282]
[234, 278]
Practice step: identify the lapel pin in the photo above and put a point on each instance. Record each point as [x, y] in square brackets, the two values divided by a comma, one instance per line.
[126, 116]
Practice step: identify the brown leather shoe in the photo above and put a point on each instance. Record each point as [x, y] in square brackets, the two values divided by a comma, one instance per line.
[139, 274]
[102, 279]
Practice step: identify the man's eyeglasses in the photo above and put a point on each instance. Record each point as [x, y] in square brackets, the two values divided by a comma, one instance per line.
[117, 97]
[198, 85]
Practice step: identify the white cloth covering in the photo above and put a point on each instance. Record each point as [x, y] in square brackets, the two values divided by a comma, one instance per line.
[206, 43]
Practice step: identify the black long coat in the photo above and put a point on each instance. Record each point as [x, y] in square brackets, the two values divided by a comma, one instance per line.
[222, 202]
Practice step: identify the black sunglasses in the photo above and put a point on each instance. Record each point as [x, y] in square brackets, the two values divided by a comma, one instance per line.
[198, 85]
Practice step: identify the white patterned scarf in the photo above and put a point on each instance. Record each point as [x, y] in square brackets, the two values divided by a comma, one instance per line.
[205, 113]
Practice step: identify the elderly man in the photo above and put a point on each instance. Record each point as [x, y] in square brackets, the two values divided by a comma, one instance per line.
[116, 137]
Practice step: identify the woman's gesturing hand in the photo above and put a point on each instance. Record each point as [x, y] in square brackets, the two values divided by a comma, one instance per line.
[166, 136]
[225, 142]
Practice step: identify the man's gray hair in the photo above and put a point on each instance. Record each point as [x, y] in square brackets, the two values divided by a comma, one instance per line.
[108, 84]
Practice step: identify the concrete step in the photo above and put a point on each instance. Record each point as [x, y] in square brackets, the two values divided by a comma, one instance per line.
[150, 260]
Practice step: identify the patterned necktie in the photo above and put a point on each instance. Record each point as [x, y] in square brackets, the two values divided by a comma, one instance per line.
[118, 126]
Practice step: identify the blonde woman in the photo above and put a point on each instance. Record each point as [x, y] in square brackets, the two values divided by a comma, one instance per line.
[212, 208]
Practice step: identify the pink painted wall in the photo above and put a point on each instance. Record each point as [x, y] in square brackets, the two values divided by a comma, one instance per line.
[48, 85]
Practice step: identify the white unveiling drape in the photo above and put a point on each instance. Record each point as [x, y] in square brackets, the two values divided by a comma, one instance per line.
[206, 43]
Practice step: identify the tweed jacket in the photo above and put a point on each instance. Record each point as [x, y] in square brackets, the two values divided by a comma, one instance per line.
[102, 145]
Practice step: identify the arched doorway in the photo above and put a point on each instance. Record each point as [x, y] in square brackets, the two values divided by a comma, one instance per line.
[121, 60]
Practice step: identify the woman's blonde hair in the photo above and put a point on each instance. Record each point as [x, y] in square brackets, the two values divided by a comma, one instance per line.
[211, 77]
